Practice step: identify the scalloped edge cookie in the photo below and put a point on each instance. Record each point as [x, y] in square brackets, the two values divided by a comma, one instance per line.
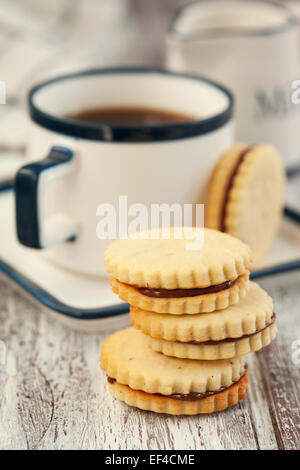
[239, 347]
[127, 357]
[159, 404]
[251, 314]
[249, 180]
[183, 305]
[170, 263]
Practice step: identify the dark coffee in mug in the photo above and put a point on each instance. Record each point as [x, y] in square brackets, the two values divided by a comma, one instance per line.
[131, 116]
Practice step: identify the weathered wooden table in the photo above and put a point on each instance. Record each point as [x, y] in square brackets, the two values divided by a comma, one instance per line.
[53, 394]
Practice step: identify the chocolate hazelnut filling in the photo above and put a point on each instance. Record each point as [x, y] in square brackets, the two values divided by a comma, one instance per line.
[111, 380]
[193, 396]
[228, 340]
[176, 293]
[235, 170]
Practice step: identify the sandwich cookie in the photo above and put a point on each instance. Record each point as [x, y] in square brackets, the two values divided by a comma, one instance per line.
[246, 196]
[235, 331]
[164, 275]
[151, 381]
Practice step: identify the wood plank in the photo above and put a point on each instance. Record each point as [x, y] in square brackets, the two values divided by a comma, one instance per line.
[280, 373]
[11, 432]
[257, 403]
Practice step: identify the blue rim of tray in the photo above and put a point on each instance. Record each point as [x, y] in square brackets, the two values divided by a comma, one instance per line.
[49, 301]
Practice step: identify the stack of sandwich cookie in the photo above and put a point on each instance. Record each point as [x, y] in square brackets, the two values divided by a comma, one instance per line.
[198, 314]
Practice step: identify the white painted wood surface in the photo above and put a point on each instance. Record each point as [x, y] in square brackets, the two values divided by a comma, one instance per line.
[53, 394]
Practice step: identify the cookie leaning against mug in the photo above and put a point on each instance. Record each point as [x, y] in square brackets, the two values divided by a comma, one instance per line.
[246, 195]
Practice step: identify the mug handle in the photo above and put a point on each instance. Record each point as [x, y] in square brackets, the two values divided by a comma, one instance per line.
[33, 229]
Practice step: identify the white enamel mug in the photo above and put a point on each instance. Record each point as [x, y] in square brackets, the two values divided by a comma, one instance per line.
[86, 164]
[253, 48]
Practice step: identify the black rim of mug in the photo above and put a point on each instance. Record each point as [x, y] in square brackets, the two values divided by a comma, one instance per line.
[130, 134]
